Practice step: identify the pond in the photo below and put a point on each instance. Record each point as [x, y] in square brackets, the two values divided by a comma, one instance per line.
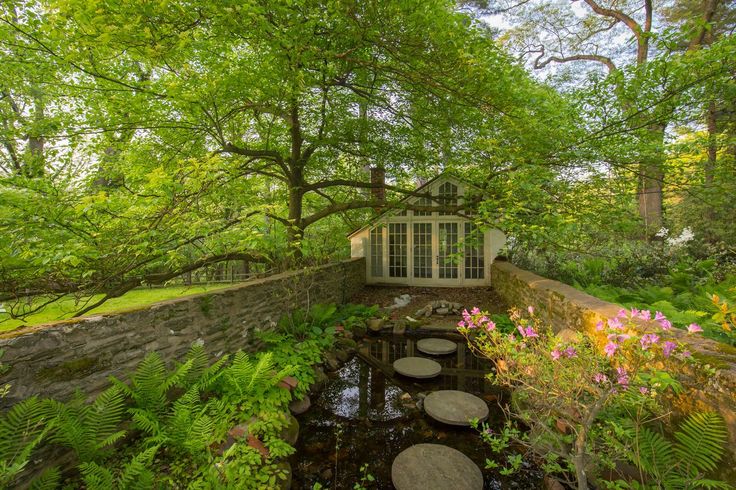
[367, 414]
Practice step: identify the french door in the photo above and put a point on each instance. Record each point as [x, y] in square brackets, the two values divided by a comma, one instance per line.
[431, 253]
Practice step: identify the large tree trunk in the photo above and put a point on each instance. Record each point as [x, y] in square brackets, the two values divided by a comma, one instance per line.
[295, 232]
[651, 177]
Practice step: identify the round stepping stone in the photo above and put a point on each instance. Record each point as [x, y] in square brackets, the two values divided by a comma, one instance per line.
[455, 407]
[435, 467]
[417, 367]
[436, 347]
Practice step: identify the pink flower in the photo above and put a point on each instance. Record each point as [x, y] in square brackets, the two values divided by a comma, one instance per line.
[466, 315]
[530, 309]
[622, 313]
[643, 390]
[527, 332]
[622, 376]
[620, 337]
[490, 326]
[615, 323]
[668, 347]
[634, 313]
[647, 340]
[685, 353]
[599, 326]
[461, 324]
[600, 378]
[556, 354]
[571, 352]
[645, 315]
[483, 319]
[665, 324]
[610, 349]
[475, 311]
[659, 316]
[694, 328]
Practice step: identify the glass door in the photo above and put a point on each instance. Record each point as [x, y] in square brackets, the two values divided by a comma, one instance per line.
[447, 250]
[422, 250]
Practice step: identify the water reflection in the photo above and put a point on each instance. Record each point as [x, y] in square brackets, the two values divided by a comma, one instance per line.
[366, 414]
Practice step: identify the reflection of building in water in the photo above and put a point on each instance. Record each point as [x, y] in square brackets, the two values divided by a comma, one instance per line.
[460, 371]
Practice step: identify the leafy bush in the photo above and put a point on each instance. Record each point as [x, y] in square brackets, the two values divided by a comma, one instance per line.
[575, 399]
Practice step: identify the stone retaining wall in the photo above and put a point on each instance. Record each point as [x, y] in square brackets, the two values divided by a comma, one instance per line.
[56, 359]
[562, 306]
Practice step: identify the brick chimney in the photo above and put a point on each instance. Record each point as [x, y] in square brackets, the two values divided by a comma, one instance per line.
[378, 179]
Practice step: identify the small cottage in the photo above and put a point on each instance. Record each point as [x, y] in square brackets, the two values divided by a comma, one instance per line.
[428, 248]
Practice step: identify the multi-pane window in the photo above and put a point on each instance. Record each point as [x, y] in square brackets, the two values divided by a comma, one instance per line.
[448, 250]
[376, 245]
[397, 250]
[424, 201]
[447, 196]
[422, 250]
[474, 263]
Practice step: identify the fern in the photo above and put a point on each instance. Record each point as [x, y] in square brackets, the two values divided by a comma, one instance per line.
[22, 429]
[90, 429]
[48, 480]
[96, 477]
[700, 442]
[682, 464]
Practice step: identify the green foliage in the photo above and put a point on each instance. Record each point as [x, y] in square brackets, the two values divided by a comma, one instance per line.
[698, 445]
[164, 426]
[22, 429]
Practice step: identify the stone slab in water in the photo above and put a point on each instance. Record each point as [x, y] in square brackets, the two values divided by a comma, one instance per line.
[436, 347]
[417, 367]
[435, 467]
[455, 407]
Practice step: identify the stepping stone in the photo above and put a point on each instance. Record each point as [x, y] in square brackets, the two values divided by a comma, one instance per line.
[417, 367]
[455, 407]
[435, 467]
[436, 347]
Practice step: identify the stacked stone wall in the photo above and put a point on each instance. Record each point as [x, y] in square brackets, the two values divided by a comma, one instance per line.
[55, 360]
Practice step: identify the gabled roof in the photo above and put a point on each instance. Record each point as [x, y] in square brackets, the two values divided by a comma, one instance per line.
[444, 175]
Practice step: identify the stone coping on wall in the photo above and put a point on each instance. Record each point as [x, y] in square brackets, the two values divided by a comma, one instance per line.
[562, 306]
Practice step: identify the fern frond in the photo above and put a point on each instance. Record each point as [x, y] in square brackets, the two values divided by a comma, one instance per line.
[710, 484]
[655, 453]
[177, 376]
[147, 383]
[146, 421]
[96, 477]
[701, 441]
[138, 466]
[49, 479]
[104, 417]
[22, 425]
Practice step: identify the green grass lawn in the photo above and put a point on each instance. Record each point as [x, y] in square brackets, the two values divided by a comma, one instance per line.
[66, 307]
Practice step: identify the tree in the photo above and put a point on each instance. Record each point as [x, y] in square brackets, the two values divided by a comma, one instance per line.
[548, 33]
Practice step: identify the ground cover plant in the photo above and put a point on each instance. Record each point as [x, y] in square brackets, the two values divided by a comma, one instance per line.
[583, 409]
[203, 423]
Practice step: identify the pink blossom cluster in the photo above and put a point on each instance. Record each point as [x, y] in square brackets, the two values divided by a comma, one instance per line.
[475, 319]
[625, 318]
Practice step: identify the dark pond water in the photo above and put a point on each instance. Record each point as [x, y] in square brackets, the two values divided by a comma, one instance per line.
[368, 415]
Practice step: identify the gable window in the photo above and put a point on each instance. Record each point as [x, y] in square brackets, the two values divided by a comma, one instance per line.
[447, 196]
[424, 201]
